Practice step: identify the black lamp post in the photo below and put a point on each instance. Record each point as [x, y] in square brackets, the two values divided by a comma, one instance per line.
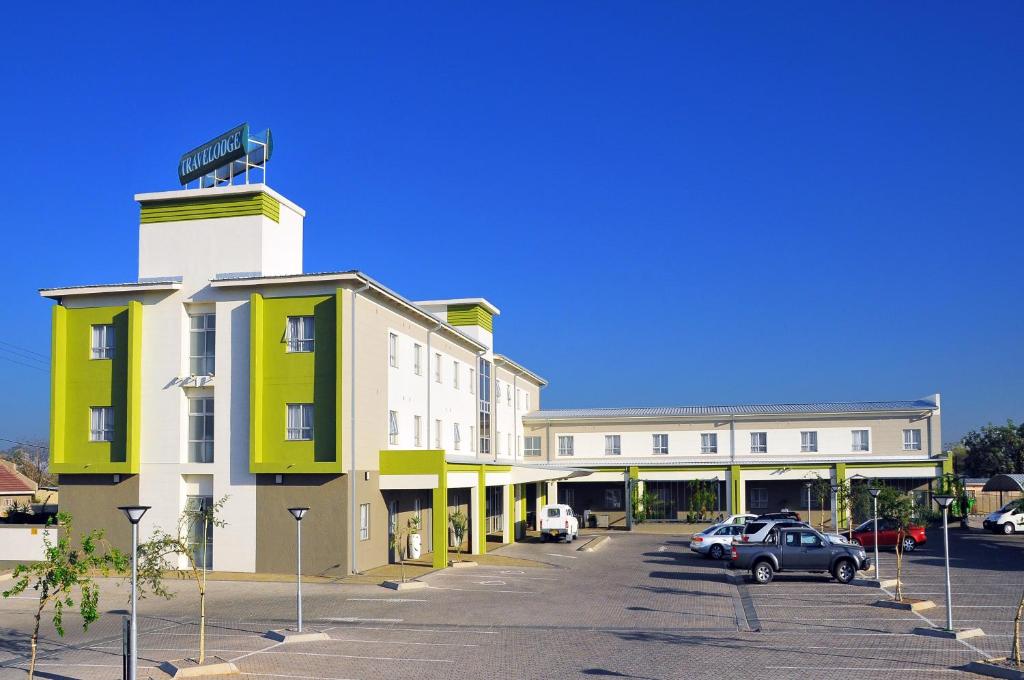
[298, 514]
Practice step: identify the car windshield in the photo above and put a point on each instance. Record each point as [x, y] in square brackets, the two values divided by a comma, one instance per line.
[753, 527]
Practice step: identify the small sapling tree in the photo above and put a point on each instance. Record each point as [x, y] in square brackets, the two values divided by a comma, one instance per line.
[399, 542]
[457, 520]
[65, 570]
[898, 508]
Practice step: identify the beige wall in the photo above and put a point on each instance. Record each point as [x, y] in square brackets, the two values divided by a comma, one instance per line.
[92, 501]
[324, 529]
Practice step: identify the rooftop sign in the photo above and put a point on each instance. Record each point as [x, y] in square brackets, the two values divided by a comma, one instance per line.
[225, 156]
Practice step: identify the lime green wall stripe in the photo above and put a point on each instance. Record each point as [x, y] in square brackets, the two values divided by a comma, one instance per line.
[133, 434]
[947, 465]
[341, 306]
[735, 480]
[429, 462]
[470, 315]
[58, 384]
[255, 381]
[481, 494]
[439, 516]
[210, 207]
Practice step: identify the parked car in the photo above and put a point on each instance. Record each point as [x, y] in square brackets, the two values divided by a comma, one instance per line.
[738, 519]
[782, 514]
[1007, 519]
[888, 534]
[799, 548]
[558, 521]
[716, 540]
[757, 531]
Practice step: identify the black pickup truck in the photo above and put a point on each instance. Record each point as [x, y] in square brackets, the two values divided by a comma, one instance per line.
[799, 549]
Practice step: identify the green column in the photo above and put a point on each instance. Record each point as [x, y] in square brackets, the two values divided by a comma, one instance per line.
[735, 481]
[481, 519]
[440, 520]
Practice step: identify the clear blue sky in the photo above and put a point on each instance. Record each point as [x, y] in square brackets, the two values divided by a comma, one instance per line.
[672, 203]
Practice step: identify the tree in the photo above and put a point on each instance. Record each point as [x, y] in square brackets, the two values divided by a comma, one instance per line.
[821, 488]
[994, 449]
[399, 542]
[64, 570]
[1016, 632]
[898, 508]
[459, 524]
[702, 497]
[191, 540]
[952, 485]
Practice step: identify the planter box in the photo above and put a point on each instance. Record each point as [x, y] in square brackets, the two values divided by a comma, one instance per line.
[995, 668]
[296, 636]
[404, 585]
[907, 605]
[959, 634]
[460, 565]
[187, 668]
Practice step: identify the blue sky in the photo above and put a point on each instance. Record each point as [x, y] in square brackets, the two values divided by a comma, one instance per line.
[671, 203]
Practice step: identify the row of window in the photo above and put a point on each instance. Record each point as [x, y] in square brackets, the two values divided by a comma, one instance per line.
[202, 342]
[532, 444]
[456, 372]
[860, 441]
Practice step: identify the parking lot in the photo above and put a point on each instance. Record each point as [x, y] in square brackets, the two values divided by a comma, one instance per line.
[643, 606]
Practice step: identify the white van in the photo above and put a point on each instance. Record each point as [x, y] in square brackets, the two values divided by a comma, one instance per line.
[557, 521]
[1007, 519]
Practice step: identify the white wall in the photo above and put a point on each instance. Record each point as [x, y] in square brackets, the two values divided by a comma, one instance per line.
[22, 543]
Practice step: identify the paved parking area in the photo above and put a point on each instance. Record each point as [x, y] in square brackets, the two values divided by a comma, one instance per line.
[641, 607]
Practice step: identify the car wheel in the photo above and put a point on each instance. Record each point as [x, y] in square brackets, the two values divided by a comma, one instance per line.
[717, 552]
[909, 544]
[763, 572]
[1008, 529]
[844, 571]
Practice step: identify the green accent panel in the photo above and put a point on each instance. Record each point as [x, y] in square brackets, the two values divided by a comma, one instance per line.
[481, 523]
[440, 518]
[685, 468]
[210, 207]
[634, 472]
[470, 315]
[510, 509]
[341, 306]
[788, 466]
[735, 482]
[80, 382]
[414, 462]
[924, 463]
[947, 465]
[280, 378]
[840, 471]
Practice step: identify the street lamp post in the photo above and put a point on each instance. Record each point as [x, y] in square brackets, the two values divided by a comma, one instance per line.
[134, 514]
[808, 487]
[835, 504]
[874, 491]
[298, 514]
[945, 501]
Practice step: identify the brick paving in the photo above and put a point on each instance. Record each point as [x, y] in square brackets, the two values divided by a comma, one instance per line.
[641, 607]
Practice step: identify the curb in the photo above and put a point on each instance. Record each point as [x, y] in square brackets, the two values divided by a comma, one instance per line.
[593, 544]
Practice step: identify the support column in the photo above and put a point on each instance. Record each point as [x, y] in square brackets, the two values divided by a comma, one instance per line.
[508, 514]
[439, 519]
[540, 502]
[478, 510]
[736, 492]
[839, 475]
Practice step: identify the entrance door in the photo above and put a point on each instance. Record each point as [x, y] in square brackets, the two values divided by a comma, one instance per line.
[392, 527]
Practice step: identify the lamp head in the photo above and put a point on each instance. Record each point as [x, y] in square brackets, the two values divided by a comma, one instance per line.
[835, 488]
[944, 501]
[874, 491]
[134, 513]
[298, 513]
[808, 485]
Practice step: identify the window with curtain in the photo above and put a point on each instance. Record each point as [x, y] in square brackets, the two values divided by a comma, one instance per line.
[393, 350]
[417, 425]
[102, 342]
[531, 446]
[101, 423]
[759, 442]
[437, 368]
[364, 521]
[809, 442]
[565, 445]
[709, 442]
[455, 374]
[393, 427]
[202, 341]
[912, 440]
[861, 440]
[300, 422]
[300, 334]
[417, 359]
[659, 445]
[437, 433]
[456, 437]
[612, 445]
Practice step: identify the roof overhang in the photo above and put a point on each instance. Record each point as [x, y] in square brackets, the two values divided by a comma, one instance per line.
[102, 288]
[1012, 483]
[500, 359]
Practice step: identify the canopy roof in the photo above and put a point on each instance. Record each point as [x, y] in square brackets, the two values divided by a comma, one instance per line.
[1005, 483]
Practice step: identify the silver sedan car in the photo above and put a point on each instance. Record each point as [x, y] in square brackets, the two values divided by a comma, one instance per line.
[716, 540]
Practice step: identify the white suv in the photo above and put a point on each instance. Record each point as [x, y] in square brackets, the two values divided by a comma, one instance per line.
[557, 521]
[1007, 519]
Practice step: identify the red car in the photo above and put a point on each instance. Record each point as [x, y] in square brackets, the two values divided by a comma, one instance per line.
[888, 534]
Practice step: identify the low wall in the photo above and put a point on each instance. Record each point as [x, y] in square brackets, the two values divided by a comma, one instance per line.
[22, 542]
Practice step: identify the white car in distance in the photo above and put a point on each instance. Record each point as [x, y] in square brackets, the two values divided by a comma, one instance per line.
[558, 521]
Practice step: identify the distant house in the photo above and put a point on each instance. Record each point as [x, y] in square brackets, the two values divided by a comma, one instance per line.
[15, 488]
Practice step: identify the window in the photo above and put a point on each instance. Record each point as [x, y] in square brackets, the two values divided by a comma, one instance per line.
[455, 374]
[861, 440]
[508, 394]
[200, 430]
[518, 391]
[508, 445]
[392, 350]
[911, 440]
[497, 442]
[300, 422]
[532, 446]
[484, 405]
[456, 437]
[709, 442]
[809, 442]
[200, 532]
[565, 445]
[417, 359]
[437, 433]
[102, 341]
[437, 368]
[472, 436]
[392, 427]
[659, 445]
[612, 445]
[202, 340]
[759, 442]
[417, 424]
[527, 401]
[300, 334]
[101, 424]
[364, 521]
[759, 496]
[472, 383]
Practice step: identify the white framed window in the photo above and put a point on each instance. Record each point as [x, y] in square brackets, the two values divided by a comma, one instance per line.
[709, 442]
[861, 440]
[417, 426]
[456, 437]
[472, 436]
[612, 445]
[912, 440]
[659, 444]
[508, 394]
[472, 382]
[497, 442]
[202, 343]
[101, 423]
[531, 446]
[364, 521]
[102, 341]
[437, 433]
[455, 374]
[759, 442]
[417, 359]
[518, 399]
[565, 445]
[300, 422]
[809, 441]
[758, 498]
[437, 368]
[392, 350]
[392, 427]
[200, 430]
[300, 334]
[508, 444]
[527, 401]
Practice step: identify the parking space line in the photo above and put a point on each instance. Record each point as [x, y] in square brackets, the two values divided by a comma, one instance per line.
[568, 557]
[485, 590]
[382, 599]
[406, 642]
[932, 624]
[427, 630]
[352, 656]
[282, 675]
[861, 668]
[356, 619]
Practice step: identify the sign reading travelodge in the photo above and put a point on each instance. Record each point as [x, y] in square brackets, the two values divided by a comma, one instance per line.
[217, 152]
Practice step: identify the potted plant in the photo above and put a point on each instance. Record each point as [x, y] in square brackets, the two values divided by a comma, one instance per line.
[458, 523]
[415, 540]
